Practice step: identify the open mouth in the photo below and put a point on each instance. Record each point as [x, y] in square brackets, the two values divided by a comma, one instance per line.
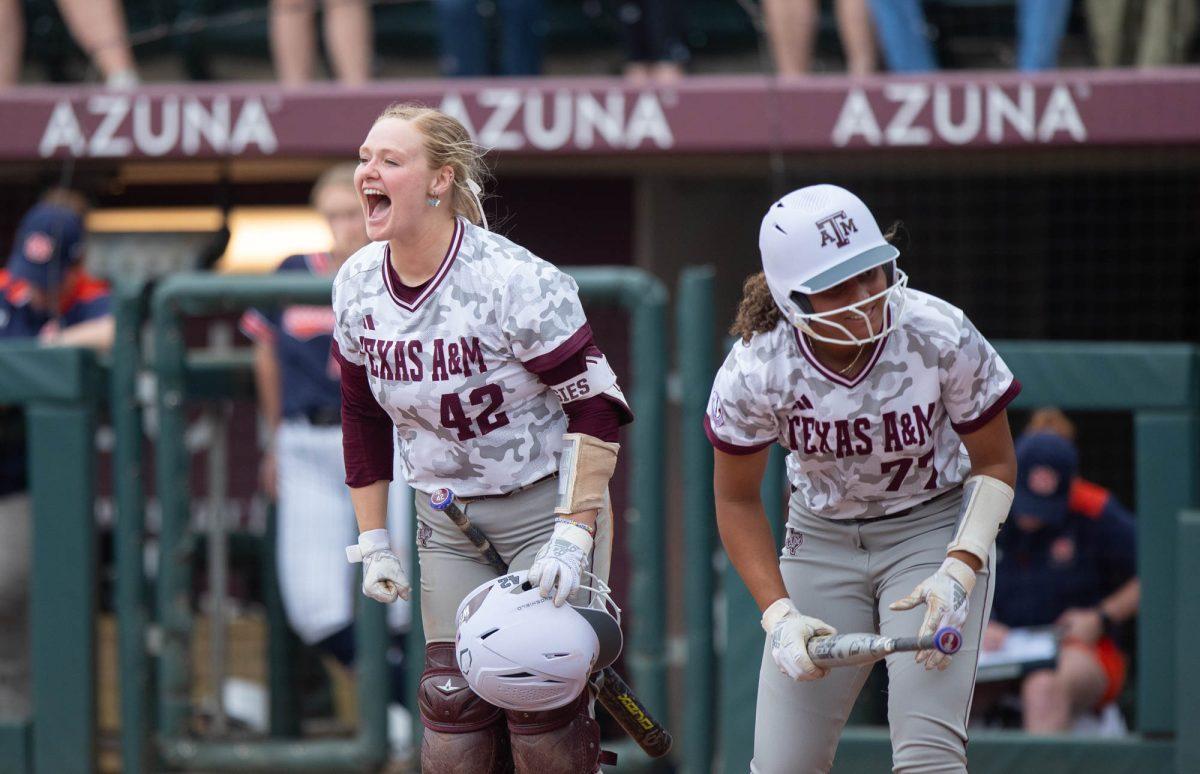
[378, 203]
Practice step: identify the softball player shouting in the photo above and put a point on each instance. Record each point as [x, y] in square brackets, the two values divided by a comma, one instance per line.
[478, 356]
[901, 463]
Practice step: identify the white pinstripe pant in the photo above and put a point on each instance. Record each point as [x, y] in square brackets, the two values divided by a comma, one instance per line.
[316, 522]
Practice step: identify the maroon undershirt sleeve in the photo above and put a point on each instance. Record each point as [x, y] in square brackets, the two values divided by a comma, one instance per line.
[599, 416]
[366, 428]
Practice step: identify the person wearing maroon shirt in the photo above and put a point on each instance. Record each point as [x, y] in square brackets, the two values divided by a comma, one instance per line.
[477, 356]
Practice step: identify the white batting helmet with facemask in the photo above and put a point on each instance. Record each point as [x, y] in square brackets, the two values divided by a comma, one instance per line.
[520, 652]
[818, 237]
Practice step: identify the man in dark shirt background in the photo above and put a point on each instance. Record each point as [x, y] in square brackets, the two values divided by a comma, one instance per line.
[1066, 558]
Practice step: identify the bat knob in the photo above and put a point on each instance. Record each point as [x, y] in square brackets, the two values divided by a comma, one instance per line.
[947, 640]
[440, 499]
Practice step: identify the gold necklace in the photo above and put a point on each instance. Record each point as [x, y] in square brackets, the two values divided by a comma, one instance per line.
[861, 348]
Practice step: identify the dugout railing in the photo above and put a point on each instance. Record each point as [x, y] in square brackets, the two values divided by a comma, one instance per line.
[156, 702]
[61, 392]
[1158, 383]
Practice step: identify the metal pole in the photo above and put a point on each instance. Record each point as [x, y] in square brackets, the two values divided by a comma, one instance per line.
[133, 611]
[175, 546]
[217, 416]
[646, 298]
[694, 344]
[1187, 668]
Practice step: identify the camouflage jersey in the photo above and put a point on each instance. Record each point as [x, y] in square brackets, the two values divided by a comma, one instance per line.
[451, 368]
[882, 441]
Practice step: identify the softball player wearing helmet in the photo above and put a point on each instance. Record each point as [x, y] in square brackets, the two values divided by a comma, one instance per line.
[477, 355]
[892, 406]
[299, 401]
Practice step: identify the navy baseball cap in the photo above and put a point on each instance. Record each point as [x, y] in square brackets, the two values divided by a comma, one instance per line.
[49, 242]
[1046, 466]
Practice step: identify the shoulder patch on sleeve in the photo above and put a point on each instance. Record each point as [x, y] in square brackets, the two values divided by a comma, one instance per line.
[1087, 499]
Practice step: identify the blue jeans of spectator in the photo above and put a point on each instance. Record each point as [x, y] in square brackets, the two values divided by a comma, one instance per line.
[463, 37]
[902, 31]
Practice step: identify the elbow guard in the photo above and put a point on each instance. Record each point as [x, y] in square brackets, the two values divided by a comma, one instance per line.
[985, 505]
[584, 469]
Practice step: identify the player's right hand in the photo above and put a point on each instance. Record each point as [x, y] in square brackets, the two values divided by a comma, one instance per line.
[384, 578]
[790, 631]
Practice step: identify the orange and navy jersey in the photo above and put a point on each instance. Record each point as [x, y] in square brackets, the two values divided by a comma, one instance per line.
[302, 337]
[83, 298]
[1090, 555]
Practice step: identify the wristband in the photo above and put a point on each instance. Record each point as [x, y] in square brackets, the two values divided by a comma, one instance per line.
[588, 528]
[368, 543]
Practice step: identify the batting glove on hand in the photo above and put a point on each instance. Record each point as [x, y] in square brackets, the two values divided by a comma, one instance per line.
[790, 632]
[946, 595]
[384, 578]
[559, 565]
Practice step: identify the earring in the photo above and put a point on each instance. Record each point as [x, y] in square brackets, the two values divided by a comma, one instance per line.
[432, 200]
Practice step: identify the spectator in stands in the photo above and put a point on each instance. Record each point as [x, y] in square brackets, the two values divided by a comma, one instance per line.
[1145, 33]
[463, 36]
[792, 31]
[98, 26]
[1068, 559]
[904, 34]
[347, 28]
[653, 33]
[299, 408]
[45, 295]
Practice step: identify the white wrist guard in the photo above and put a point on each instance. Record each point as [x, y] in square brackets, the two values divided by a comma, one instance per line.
[776, 612]
[985, 505]
[584, 469]
[368, 543]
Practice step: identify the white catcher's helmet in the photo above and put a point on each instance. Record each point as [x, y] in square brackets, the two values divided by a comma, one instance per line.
[820, 236]
[518, 651]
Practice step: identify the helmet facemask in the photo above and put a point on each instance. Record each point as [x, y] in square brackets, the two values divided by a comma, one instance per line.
[801, 314]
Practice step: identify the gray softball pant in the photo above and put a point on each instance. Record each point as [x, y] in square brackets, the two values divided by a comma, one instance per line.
[846, 574]
[517, 525]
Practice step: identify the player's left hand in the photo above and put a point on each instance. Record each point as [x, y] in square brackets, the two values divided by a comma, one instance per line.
[559, 565]
[946, 595]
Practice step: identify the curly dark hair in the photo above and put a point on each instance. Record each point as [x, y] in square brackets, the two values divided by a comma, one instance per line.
[758, 313]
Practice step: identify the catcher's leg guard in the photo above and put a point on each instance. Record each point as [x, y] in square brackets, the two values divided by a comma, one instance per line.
[463, 733]
[560, 741]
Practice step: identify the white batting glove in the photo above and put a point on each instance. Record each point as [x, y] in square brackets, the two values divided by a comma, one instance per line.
[790, 631]
[560, 563]
[384, 578]
[946, 595]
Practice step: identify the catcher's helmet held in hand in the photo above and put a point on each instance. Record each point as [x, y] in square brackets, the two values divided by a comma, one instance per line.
[518, 651]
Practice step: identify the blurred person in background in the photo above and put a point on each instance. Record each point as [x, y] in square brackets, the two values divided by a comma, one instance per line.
[1069, 560]
[792, 30]
[1145, 33]
[98, 26]
[348, 40]
[905, 37]
[44, 295]
[653, 34]
[463, 36]
[299, 409]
